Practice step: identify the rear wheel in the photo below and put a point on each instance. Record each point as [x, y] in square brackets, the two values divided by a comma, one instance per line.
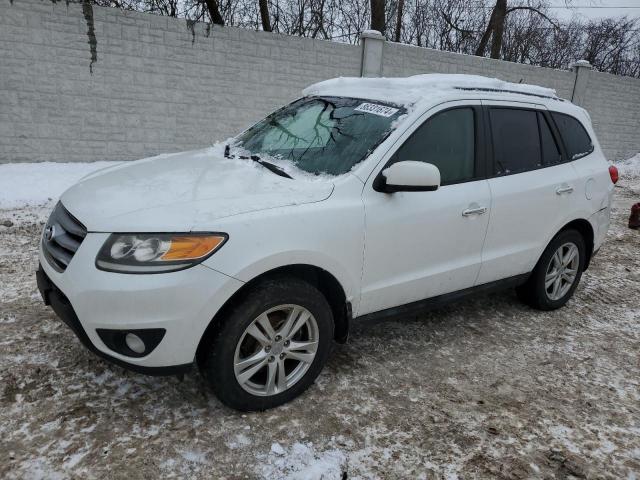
[271, 346]
[557, 274]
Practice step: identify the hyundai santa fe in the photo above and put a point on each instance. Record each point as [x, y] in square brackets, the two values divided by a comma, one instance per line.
[364, 198]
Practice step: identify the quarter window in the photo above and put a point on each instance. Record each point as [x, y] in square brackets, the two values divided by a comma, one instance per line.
[550, 152]
[516, 141]
[447, 140]
[575, 137]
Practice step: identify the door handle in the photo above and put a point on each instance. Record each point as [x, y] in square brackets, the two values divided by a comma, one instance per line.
[564, 189]
[474, 211]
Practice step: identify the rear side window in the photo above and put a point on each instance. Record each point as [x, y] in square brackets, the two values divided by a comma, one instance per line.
[550, 152]
[447, 140]
[516, 141]
[575, 137]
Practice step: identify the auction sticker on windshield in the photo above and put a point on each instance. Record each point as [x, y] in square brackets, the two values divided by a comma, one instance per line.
[381, 110]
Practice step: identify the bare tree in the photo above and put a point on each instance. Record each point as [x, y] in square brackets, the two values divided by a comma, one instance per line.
[399, 21]
[264, 15]
[214, 12]
[495, 27]
[610, 43]
[515, 30]
[377, 15]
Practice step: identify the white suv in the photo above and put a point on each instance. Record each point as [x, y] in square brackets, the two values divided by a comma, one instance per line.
[363, 198]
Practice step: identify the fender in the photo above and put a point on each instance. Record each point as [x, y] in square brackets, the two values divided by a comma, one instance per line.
[302, 257]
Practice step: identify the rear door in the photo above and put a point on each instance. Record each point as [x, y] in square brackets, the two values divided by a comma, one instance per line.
[532, 188]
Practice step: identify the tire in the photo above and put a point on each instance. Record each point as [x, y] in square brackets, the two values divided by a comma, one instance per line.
[537, 292]
[236, 347]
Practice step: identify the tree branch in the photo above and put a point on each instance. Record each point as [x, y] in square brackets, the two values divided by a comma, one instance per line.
[532, 9]
[447, 19]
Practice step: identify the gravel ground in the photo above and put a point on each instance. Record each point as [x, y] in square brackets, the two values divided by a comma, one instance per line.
[483, 388]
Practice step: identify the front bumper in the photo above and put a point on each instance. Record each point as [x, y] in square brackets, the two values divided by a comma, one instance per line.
[58, 301]
[181, 303]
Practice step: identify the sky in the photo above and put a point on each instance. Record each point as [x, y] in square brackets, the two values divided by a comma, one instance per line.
[595, 8]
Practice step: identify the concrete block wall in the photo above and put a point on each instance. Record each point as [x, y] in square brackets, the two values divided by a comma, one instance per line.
[145, 84]
[612, 101]
[156, 85]
[400, 60]
[614, 105]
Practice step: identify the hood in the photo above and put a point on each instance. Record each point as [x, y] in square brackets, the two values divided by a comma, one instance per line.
[182, 192]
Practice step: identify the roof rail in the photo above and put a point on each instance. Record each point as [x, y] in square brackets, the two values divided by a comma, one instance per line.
[499, 90]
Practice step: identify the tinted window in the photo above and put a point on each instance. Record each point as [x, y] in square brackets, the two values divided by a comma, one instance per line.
[516, 142]
[446, 140]
[550, 151]
[575, 137]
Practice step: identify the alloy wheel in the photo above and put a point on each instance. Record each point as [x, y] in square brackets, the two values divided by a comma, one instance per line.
[562, 271]
[276, 350]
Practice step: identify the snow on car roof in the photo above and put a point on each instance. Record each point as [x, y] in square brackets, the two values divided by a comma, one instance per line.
[410, 90]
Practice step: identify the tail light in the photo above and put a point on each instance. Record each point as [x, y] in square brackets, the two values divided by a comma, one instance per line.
[613, 173]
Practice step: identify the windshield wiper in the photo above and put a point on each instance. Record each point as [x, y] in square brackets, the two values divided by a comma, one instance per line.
[268, 165]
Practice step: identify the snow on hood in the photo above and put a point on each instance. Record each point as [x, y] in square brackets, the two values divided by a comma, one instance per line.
[183, 192]
[410, 90]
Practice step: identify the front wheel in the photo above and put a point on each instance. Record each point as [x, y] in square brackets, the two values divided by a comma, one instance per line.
[270, 346]
[557, 274]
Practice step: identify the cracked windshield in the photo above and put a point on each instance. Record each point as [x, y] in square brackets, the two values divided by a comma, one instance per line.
[327, 135]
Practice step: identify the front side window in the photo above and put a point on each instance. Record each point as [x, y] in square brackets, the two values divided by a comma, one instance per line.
[575, 137]
[447, 140]
[327, 135]
[516, 142]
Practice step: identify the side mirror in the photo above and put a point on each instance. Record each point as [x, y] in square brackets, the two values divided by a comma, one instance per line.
[408, 176]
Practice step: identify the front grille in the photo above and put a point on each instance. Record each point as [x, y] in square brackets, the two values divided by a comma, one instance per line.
[62, 237]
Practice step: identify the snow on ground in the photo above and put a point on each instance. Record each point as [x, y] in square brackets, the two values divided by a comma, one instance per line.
[35, 187]
[302, 460]
[485, 388]
[629, 168]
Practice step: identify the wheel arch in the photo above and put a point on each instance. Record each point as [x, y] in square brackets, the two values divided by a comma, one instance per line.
[320, 278]
[585, 228]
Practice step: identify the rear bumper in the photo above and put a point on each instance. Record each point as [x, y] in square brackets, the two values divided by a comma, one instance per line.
[58, 301]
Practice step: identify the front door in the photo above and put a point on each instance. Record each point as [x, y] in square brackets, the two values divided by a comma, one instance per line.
[423, 244]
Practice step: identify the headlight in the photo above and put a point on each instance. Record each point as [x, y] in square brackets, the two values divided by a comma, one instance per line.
[156, 252]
